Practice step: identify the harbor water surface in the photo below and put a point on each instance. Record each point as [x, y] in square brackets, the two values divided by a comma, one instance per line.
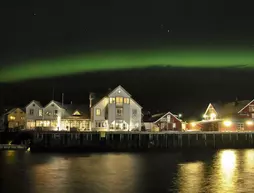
[191, 172]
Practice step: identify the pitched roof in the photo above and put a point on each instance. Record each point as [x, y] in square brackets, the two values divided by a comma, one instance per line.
[120, 87]
[56, 102]
[82, 109]
[246, 105]
[156, 117]
[13, 110]
[36, 102]
[96, 100]
[229, 109]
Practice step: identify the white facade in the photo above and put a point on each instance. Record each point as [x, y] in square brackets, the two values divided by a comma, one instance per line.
[54, 117]
[117, 111]
[34, 111]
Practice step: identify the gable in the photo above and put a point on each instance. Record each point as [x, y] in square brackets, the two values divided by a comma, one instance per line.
[134, 102]
[119, 91]
[102, 102]
[34, 103]
[210, 110]
[246, 106]
[17, 110]
[165, 116]
[76, 113]
[53, 104]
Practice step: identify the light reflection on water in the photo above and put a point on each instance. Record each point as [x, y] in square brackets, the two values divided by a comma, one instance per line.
[216, 172]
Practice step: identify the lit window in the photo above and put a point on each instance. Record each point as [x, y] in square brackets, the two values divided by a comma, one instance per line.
[240, 126]
[119, 111]
[76, 113]
[112, 100]
[119, 100]
[40, 112]
[98, 112]
[12, 118]
[126, 100]
[31, 112]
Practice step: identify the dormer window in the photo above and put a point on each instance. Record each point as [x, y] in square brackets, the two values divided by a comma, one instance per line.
[33, 105]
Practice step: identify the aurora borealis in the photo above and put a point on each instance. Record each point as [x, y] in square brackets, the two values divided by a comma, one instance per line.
[115, 60]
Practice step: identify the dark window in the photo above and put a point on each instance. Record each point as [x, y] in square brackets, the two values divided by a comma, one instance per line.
[119, 111]
[56, 111]
[31, 112]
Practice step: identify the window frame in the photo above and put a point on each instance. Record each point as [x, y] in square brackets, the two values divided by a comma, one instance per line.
[96, 112]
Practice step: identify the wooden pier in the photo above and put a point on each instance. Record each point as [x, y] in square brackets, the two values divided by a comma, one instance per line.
[141, 141]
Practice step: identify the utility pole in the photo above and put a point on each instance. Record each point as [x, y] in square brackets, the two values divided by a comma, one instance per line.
[53, 93]
[91, 97]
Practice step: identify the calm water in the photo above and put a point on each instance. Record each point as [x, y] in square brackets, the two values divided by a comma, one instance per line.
[223, 171]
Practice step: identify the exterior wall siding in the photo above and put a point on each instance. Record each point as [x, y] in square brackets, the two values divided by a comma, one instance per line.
[109, 111]
[245, 113]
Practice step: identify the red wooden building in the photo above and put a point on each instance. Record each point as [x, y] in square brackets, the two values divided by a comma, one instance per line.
[234, 116]
[164, 122]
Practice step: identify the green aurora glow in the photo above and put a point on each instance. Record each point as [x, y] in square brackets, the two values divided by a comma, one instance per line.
[112, 60]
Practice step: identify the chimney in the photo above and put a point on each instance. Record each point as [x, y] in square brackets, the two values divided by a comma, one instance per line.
[236, 101]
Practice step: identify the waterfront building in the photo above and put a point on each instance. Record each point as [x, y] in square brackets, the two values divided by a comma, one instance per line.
[15, 118]
[164, 122]
[233, 116]
[57, 116]
[116, 111]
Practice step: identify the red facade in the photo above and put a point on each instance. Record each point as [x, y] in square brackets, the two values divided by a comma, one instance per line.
[247, 111]
[172, 124]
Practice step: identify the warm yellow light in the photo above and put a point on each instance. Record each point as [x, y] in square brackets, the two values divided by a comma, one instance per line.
[58, 122]
[249, 122]
[204, 116]
[227, 123]
[193, 124]
[213, 115]
[12, 118]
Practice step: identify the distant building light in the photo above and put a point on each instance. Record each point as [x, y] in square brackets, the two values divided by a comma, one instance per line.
[249, 122]
[180, 115]
[227, 123]
[193, 124]
[213, 116]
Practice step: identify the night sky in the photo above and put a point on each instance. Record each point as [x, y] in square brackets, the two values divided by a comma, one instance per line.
[174, 55]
